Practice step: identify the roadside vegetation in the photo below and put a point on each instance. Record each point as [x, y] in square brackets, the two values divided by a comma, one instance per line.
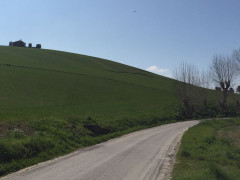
[19, 150]
[210, 150]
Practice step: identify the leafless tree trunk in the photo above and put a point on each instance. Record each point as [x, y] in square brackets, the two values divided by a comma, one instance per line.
[237, 96]
[187, 76]
[223, 72]
[205, 84]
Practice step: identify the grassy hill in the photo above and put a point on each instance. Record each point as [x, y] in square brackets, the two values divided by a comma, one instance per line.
[53, 102]
[37, 83]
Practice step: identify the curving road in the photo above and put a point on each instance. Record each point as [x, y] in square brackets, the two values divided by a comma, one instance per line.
[142, 155]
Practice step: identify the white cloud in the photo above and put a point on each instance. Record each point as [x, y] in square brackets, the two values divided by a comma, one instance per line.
[161, 71]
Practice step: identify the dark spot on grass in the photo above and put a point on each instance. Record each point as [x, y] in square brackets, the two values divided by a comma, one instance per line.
[185, 153]
[96, 129]
[210, 140]
[202, 148]
[201, 158]
[238, 164]
[230, 155]
[219, 174]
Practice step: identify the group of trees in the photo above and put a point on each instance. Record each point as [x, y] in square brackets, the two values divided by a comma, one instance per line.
[193, 86]
[20, 43]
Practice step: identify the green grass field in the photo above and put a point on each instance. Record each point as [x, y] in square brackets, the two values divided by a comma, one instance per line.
[37, 83]
[48, 100]
[210, 150]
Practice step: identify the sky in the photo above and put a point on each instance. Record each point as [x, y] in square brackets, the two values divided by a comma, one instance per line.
[154, 35]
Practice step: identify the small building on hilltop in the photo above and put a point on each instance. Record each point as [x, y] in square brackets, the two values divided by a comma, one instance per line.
[19, 43]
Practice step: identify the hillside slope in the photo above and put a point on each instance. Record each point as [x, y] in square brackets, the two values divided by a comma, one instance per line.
[43, 82]
[52, 103]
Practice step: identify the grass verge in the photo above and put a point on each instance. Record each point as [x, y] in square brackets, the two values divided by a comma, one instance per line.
[19, 150]
[210, 150]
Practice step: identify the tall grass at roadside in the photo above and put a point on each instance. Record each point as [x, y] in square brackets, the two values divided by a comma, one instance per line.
[205, 154]
[18, 150]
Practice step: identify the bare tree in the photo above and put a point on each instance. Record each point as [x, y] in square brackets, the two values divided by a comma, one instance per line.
[205, 84]
[187, 73]
[188, 77]
[236, 58]
[223, 72]
[237, 96]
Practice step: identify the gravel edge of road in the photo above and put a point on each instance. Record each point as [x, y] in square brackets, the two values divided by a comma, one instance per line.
[170, 159]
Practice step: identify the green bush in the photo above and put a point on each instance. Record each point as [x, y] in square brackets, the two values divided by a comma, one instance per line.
[36, 145]
[16, 133]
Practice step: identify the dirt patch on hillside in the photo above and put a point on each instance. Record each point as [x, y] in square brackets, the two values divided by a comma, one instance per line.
[232, 133]
[96, 129]
[5, 128]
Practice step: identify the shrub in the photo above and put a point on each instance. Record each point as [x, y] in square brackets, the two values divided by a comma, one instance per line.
[15, 149]
[16, 133]
[38, 144]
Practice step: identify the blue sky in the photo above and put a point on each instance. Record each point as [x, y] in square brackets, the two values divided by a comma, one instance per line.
[160, 34]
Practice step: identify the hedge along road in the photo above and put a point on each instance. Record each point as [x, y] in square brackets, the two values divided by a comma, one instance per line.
[147, 154]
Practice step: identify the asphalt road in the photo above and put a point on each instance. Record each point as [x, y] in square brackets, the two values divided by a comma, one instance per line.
[142, 155]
